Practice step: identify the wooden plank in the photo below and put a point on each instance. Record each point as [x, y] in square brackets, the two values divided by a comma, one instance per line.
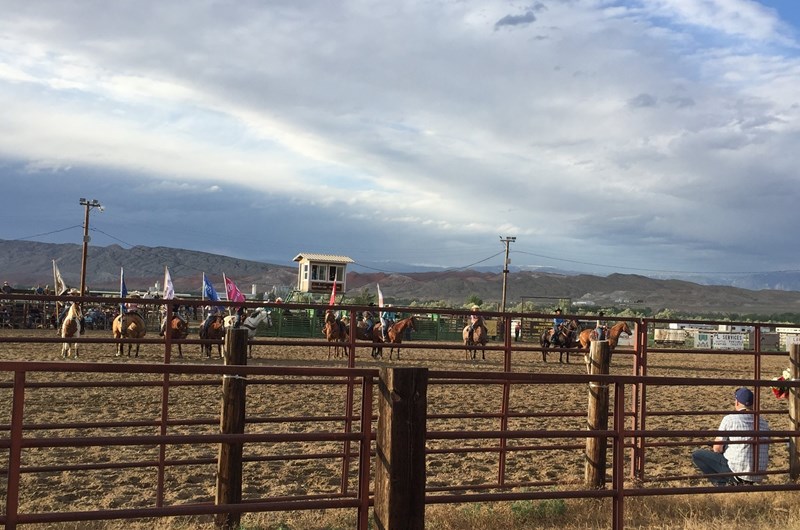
[232, 421]
[400, 449]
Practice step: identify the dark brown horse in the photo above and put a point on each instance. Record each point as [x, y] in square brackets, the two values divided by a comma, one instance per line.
[478, 337]
[212, 329]
[336, 332]
[129, 325]
[565, 340]
[588, 335]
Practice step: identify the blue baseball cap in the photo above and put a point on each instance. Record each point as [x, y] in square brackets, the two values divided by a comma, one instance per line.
[744, 396]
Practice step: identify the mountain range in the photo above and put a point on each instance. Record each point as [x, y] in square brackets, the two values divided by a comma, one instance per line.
[25, 264]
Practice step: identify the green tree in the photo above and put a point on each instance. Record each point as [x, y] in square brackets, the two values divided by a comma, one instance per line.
[474, 299]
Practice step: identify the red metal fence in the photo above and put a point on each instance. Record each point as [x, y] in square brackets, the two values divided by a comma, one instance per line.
[133, 425]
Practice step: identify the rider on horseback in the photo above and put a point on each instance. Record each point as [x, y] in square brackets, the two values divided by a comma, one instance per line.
[174, 314]
[475, 320]
[558, 325]
[368, 321]
[387, 321]
[601, 329]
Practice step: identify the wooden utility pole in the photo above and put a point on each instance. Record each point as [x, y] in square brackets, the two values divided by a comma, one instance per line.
[400, 449]
[232, 421]
[86, 238]
[507, 241]
[794, 410]
[599, 360]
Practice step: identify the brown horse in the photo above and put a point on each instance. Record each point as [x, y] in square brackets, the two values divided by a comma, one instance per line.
[178, 330]
[336, 332]
[565, 339]
[588, 335]
[213, 328]
[129, 326]
[394, 333]
[71, 328]
[476, 338]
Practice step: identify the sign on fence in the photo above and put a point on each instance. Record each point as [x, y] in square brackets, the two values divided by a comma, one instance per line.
[728, 341]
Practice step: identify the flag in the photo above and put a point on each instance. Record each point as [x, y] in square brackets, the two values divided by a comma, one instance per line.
[59, 286]
[232, 292]
[208, 290]
[123, 290]
[380, 295]
[209, 293]
[333, 291]
[169, 289]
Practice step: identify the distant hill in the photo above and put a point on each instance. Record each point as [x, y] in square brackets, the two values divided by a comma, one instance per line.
[25, 264]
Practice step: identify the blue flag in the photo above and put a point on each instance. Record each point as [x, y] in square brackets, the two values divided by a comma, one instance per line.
[210, 293]
[123, 290]
[208, 290]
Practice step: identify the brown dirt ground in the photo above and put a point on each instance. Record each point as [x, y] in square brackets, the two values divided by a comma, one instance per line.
[194, 481]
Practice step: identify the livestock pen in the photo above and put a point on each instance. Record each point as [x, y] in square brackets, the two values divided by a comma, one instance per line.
[125, 438]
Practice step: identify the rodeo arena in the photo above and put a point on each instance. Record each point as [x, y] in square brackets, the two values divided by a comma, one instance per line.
[140, 405]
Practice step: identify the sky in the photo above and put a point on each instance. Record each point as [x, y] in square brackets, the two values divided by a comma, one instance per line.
[645, 137]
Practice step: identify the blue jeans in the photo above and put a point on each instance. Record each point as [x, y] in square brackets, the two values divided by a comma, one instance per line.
[710, 463]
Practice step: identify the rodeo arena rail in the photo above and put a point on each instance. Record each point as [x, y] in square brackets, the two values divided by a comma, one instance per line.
[303, 411]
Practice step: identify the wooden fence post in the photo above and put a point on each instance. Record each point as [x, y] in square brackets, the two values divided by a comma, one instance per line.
[794, 410]
[599, 360]
[229, 460]
[400, 449]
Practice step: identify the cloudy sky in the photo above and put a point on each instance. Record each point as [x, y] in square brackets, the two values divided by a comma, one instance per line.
[605, 135]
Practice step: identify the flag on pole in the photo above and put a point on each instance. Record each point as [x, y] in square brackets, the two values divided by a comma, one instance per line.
[169, 289]
[333, 291]
[380, 295]
[209, 293]
[59, 286]
[232, 292]
[123, 289]
[208, 290]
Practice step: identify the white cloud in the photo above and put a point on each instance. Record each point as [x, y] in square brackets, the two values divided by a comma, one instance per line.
[457, 119]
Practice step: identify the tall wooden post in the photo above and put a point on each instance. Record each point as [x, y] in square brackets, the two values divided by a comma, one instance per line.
[400, 449]
[229, 461]
[794, 410]
[599, 360]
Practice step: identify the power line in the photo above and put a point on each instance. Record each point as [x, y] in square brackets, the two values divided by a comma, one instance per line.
[620, 267]
[47, 233]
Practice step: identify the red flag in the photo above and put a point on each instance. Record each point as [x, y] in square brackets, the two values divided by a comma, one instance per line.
[233, 292]
[333, 291]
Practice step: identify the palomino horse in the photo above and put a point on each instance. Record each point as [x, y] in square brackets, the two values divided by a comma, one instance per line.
[129, 326]
[213, 328]
[477, 338]
[394, 333]
[336, 332]
[251, 323]
[566, 339]
[587, 335]
[178, 329]
[71, 328]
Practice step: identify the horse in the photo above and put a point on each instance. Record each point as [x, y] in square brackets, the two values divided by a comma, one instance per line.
[566, 336]
[213, 328]
[179, 329]
[336, 332]
[71, 328]
[129, 325]
[394, 333]
[587, 335]
[478, 337]
[251, 323]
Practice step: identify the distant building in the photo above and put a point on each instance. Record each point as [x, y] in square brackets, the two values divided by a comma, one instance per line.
[318, 272]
